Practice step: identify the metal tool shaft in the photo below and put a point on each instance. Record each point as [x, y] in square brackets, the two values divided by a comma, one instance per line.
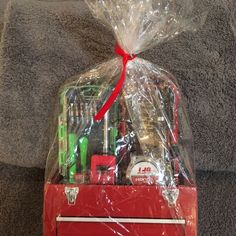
[106, 135]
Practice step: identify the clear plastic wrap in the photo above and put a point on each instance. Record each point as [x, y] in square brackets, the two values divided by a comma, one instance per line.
[138, 150]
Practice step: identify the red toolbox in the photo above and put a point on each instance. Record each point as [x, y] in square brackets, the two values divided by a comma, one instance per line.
[105, 210]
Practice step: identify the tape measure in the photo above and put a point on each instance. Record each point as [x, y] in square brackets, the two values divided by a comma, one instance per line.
[146, 171]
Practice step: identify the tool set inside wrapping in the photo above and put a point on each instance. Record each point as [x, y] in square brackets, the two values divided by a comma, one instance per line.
[122, 160]
[112, 151]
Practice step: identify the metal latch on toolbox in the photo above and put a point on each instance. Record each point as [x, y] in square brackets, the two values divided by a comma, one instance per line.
[71, 194]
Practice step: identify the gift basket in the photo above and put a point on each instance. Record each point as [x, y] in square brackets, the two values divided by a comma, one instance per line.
[121, 162]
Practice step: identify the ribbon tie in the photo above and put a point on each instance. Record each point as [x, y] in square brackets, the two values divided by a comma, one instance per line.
[115, 93]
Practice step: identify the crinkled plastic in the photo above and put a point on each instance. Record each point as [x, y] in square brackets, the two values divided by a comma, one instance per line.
[140, 152]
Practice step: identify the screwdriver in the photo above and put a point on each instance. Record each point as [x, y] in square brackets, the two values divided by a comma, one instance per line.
[72, 141]
[87, 112]
[62, 136]
[83, 141]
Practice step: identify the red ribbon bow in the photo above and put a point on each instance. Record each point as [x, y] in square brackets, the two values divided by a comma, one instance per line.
[115, 93]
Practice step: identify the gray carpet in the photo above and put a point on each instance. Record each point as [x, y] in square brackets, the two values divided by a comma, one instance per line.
[21, 201]
[45, 42]
[3, 4]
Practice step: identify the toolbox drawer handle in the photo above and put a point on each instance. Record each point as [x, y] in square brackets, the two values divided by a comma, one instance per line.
[120, 220]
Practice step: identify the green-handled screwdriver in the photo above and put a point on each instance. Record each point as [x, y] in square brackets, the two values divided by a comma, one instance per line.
[62, 136]
[73, 154]
[83, 147]
[72, 141]
[86, 114]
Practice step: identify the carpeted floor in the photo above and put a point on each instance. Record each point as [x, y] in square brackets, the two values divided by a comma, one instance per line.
[45, 42]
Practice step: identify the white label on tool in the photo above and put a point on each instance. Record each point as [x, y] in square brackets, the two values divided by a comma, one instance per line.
[144, 173]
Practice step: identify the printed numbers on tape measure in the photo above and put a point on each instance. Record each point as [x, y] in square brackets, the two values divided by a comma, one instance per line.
[144, 170]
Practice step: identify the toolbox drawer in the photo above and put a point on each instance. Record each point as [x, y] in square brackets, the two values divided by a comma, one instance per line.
[107, 227]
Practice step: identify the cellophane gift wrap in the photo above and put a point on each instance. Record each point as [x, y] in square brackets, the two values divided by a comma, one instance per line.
[123, 124]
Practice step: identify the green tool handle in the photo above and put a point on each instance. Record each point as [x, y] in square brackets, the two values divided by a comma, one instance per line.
[62, 129]
[113, 137]
[72, 156]
[83, 146]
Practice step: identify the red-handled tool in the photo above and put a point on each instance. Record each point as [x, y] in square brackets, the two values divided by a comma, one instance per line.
[103, 166]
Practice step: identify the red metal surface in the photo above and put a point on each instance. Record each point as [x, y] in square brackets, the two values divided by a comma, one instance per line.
[120, 202]
[82, 229]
